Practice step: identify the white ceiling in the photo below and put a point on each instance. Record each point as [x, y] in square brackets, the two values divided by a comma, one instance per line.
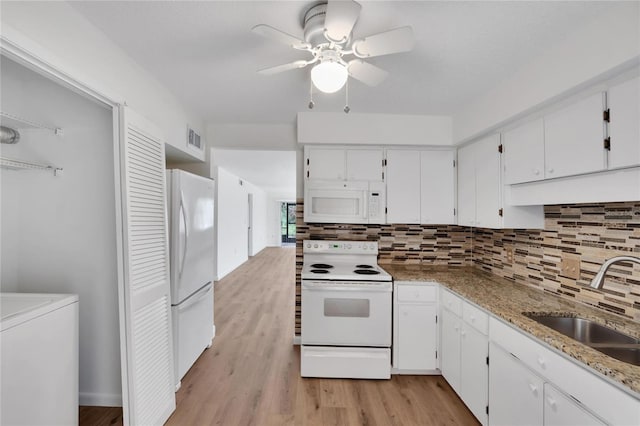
[205, 53]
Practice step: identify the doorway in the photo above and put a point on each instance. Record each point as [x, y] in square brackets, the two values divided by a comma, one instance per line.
[250, 226]
[288, 223]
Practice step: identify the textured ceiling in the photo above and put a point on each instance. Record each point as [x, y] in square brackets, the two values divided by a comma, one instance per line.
[205, 53]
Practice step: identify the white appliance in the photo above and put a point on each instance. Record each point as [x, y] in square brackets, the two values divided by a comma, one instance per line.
[333, 201]
[190, 206]
[39, 359]
[346, 311]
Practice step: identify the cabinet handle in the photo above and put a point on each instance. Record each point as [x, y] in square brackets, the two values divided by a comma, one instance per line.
[417, 294]
[534, 389]
[541, 361]
[473, 319]
[455, 328]
[536, 172]
[550, 170]
[462, 333]
[552, 402]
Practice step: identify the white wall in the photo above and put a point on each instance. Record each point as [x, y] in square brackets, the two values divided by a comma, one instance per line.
[59, 233]
[611, 42]
[259, 136]
[59, 35]
[232, 221]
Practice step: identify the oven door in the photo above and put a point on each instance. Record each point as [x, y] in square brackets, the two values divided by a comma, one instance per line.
[346, 314]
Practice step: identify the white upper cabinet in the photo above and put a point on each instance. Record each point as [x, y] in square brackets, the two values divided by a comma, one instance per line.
[344, 164]
[488, 189]
[437, 187]
[325, 163]
[623, 102]
[479, 183]
[524, 153]
[467, 186]
[403, 186]
[364, 164]
[574, 139]
[481, 200]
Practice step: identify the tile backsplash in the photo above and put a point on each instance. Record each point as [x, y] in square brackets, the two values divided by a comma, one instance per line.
[590, 233]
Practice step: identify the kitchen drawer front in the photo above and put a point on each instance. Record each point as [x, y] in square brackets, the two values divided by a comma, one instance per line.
[610, 403]
[476, 318]
[452, 302]
[417, 293]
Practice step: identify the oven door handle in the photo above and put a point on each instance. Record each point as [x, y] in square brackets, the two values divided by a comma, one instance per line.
[347, 288]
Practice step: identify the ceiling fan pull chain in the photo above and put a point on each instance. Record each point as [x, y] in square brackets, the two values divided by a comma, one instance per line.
[311, 104]
[346, 106]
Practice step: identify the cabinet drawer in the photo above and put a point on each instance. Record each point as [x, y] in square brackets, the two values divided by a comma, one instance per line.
[607, 401]
[452, 302]
[417, 293]
[476, 318]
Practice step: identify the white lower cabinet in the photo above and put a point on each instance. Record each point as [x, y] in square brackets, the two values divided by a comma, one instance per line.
[415, 338]
[464, 352]
[560, 410]
[515, 393]
[450, 362]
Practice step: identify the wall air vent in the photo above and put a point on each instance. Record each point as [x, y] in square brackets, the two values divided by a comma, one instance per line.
[193, 140]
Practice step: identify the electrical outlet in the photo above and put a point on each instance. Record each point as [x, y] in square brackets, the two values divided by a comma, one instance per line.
[509, 252]
[570, 266]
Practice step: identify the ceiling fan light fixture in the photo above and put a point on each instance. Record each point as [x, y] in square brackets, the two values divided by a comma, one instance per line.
[329, 76]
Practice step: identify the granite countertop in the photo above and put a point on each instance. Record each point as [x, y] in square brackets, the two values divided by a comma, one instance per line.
[508, 301]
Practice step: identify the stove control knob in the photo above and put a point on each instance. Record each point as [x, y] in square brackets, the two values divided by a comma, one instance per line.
[349, 246]
[365, 247]
[372, 247]
[315, 246]
[308, 245]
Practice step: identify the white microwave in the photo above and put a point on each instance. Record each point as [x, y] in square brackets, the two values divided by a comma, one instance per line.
[332, 201]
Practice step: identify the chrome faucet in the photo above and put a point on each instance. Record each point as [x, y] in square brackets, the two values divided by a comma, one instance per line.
[598, 280]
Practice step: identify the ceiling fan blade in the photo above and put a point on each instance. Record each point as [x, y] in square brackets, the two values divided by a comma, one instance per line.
[277, 35]
[284, 67]
[392, 41]
[340, 18]
[366, 73]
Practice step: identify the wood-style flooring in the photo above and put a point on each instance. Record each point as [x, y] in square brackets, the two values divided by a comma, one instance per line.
[251, 374]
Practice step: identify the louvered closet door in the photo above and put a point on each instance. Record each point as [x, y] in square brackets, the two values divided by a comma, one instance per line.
[147, 370]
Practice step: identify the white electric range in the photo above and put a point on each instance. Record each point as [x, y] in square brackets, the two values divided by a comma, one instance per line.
[346, 311]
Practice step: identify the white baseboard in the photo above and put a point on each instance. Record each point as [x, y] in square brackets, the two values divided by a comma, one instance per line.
[297, 340]
[100, 399]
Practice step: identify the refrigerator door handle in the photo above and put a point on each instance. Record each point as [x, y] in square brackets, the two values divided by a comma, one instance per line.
[183, 248]
[196, 297]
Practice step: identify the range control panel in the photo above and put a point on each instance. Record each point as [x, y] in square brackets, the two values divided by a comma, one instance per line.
[337, 247]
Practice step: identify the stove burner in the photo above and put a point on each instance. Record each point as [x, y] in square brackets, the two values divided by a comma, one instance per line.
[366, 272]
[321, 266]
[320, 271]
[364, 267]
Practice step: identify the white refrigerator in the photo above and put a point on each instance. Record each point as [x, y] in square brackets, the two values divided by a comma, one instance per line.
[190, 202]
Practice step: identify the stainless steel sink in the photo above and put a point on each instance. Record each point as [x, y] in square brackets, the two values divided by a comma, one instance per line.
[601, 338]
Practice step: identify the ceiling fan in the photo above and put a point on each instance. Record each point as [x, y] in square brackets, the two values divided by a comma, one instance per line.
[327, 37]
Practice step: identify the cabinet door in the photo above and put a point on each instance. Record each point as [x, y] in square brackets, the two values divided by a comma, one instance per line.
[437, 187]
[474, 371]
[624, 126]
[524, 153]
[488, 188]
[573, 139]
[515, 393]
[326, 163]
[560, 410]
[417, 337]
[466, 186]
[403, 186]
[364, 164]
[450, 361]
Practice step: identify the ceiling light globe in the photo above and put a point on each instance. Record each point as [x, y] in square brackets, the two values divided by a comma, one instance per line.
[329, 76]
